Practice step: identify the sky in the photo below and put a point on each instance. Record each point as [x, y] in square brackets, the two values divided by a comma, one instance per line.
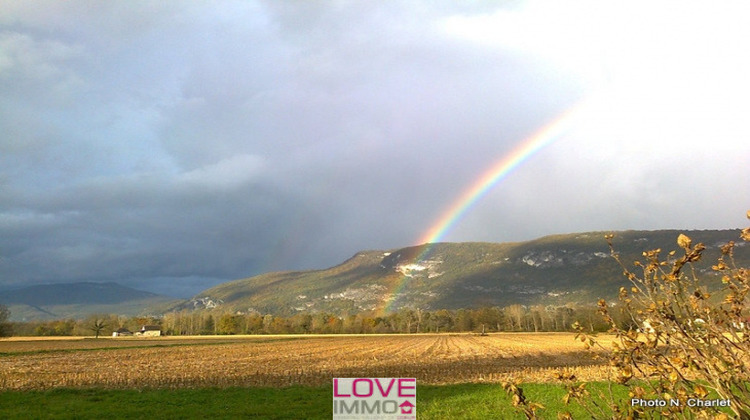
[174, 145]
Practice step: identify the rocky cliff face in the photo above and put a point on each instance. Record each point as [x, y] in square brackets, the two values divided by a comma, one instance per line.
[559, 269]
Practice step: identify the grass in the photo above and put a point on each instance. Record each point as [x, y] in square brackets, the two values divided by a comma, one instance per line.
[462, 401]
[489, 401]
[215, 403]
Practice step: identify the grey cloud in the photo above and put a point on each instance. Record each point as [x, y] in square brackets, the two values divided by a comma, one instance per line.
[129, 229]
[172, 146]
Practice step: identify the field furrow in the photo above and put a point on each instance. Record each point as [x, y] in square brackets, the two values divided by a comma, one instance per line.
[283, 361]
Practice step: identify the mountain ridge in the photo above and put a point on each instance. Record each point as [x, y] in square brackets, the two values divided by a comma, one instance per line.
[562, 269]
[552, 270]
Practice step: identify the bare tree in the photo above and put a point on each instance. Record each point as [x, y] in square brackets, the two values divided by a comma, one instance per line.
[97, 325]
[516, 314]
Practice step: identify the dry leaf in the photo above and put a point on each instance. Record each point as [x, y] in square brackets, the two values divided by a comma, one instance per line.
[684, 241]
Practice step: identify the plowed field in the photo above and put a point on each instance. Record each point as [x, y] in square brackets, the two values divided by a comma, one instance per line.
[288, 360]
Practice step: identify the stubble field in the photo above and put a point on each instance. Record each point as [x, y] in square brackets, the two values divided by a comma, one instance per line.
[280, 361]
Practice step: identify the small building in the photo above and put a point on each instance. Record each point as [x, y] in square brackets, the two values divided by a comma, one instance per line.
[121, 332]
[149, 331]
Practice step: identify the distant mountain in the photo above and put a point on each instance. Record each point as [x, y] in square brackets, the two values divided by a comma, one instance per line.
[76, 300]
[559, 269]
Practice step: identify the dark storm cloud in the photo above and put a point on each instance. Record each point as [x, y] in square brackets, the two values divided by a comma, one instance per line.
[171, 146]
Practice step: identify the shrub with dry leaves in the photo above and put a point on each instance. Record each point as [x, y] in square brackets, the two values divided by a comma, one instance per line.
[691, 343]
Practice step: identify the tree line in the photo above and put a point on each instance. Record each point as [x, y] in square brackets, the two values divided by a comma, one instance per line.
[5, 327]
[488, 319]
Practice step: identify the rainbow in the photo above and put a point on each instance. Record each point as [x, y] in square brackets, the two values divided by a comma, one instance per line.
[479, 188]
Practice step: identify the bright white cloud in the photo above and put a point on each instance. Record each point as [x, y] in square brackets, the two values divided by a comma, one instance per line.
[662, 78]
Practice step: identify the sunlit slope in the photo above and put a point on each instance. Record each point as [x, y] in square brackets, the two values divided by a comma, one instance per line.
[560, 269]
